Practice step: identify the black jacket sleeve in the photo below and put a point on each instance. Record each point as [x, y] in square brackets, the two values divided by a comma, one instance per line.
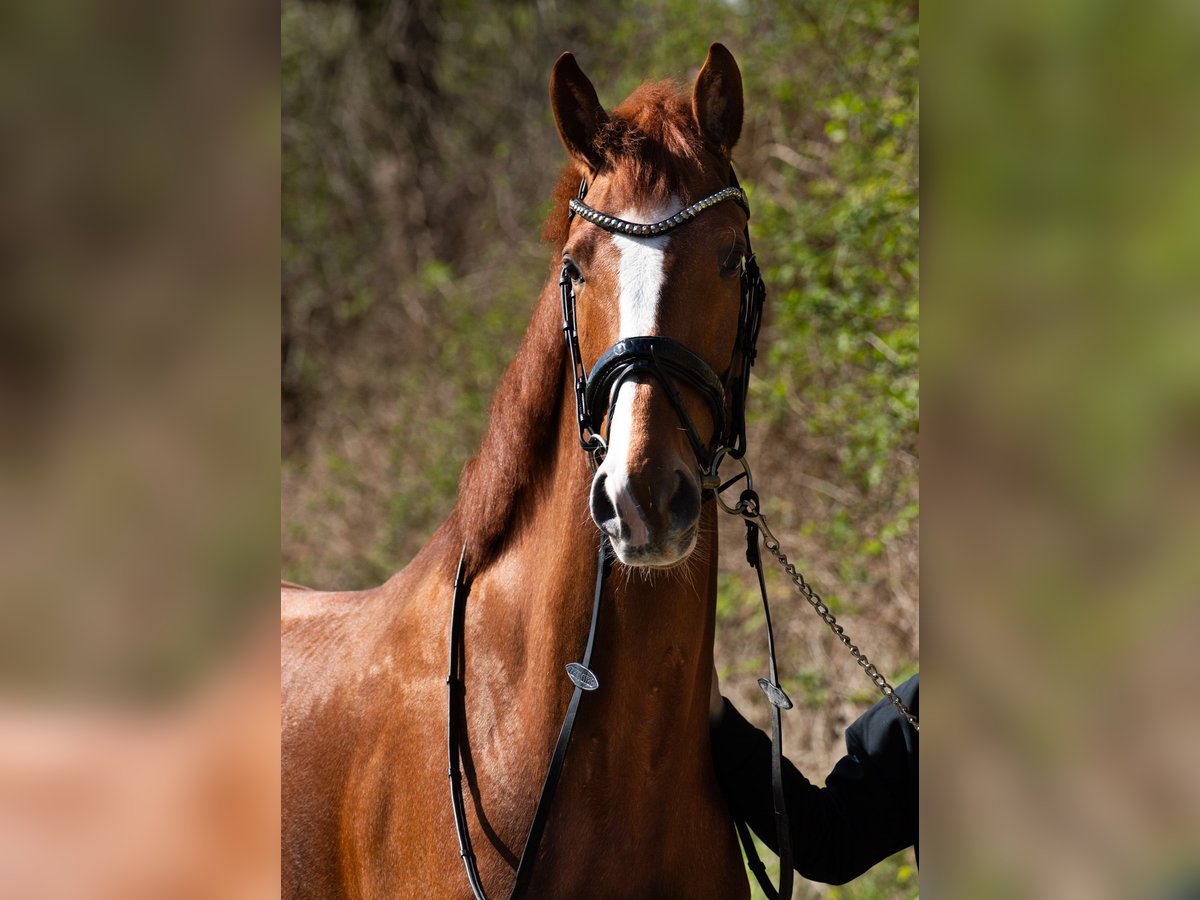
[867, 810]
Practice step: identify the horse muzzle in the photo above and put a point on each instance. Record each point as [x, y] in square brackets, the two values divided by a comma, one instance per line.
[650, 522]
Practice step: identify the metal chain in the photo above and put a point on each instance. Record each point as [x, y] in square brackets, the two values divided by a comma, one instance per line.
[750, 511]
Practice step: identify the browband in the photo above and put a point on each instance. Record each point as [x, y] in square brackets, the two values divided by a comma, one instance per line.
[612, 223]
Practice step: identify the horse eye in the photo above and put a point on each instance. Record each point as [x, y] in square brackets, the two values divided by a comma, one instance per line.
[732, 262]
[573, 271]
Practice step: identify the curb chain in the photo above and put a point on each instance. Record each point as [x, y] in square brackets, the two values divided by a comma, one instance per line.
[751, 512]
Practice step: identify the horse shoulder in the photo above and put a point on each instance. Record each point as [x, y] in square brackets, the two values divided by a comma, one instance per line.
[363, 682]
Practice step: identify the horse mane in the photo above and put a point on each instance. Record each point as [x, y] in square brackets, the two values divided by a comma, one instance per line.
[521, 432]
[652, 140]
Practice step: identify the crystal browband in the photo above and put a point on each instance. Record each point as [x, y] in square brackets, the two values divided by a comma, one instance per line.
[612, 223]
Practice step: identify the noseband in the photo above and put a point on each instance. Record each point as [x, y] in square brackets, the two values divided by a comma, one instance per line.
[664, 358]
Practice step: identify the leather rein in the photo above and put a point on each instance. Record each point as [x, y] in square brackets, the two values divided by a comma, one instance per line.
[669, 362]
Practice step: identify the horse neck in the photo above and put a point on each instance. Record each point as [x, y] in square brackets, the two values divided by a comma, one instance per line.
[644, 615]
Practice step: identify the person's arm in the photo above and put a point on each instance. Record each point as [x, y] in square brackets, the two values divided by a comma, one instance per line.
[867, 810]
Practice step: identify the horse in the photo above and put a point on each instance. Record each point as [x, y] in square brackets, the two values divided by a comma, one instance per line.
[651, 259]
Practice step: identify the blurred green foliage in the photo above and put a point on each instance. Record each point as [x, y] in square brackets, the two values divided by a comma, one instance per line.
[829, 155]
[418, 158]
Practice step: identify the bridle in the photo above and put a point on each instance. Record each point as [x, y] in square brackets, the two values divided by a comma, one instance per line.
[668, 361]
[665, 358]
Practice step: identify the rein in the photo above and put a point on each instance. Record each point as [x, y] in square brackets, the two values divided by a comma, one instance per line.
[583, 679]
[668, 361]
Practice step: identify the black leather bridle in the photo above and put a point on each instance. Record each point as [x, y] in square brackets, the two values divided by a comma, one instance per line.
[670, 362]
[664, 358]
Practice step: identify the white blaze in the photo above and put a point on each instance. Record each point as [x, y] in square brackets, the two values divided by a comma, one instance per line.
[641, 277]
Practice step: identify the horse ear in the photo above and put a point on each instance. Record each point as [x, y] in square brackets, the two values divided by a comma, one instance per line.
[717, 99]
[577, 110]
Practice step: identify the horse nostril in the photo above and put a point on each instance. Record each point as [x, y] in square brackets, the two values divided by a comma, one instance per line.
[684, 506]
[604, 514]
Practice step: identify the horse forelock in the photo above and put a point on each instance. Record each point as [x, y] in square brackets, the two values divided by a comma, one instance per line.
[651, 141]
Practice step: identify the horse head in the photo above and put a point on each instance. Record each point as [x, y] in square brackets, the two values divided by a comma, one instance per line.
[652, 265]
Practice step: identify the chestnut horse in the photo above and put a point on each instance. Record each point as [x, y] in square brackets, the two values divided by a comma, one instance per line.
[638, 813]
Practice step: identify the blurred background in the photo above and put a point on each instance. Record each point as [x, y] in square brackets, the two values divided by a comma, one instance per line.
[419, 154]
[1061, 445]
[139, 430]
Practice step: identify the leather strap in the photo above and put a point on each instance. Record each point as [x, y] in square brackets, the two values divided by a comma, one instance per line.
[779, 702]
[659, 355]
[457, 721]
[529, 854]
[583, 679]
[753, 862]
